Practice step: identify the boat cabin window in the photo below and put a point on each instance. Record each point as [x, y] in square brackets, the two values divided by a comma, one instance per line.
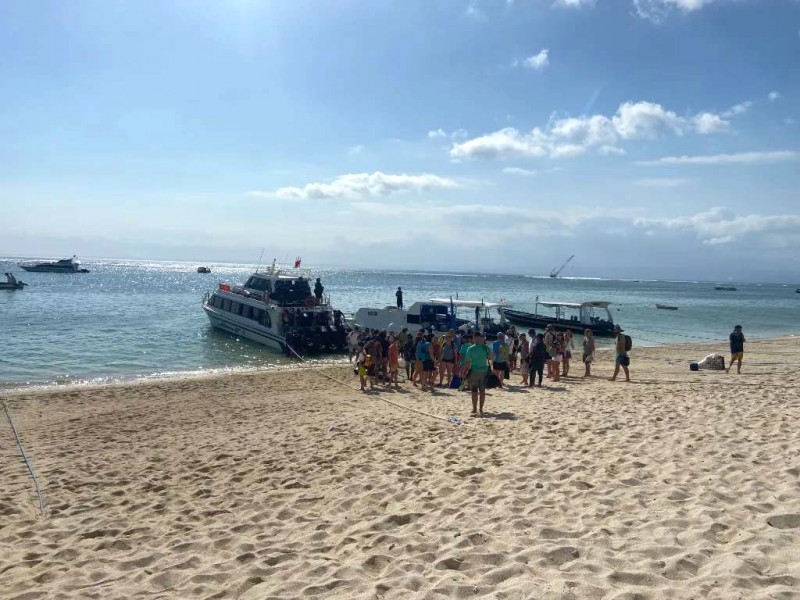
[226, 304]
[257, 283]
[245, 311]
[256, 313]
[291, 291]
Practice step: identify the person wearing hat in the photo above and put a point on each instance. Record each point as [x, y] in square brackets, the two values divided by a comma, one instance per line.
[737, 349]
[477, 359]
[621, 359]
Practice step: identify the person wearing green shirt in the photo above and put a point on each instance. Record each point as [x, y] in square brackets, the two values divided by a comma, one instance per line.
[478, 358]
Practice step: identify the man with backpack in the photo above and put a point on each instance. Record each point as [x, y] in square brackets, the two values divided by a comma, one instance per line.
[623, 345]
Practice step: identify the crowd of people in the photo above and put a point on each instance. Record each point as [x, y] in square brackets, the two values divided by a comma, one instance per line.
[466, 360]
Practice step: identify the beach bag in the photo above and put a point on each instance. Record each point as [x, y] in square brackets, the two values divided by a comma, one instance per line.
[492, 381]
[628, 343]
[455, 383]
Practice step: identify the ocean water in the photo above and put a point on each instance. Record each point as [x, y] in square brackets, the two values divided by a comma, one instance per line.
[136, 319]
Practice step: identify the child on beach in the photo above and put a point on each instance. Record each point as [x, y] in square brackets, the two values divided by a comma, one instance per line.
[394, 361]
[361, 368]
[588, 351]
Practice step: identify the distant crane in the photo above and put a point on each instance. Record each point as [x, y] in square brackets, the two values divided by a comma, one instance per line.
[557, 272]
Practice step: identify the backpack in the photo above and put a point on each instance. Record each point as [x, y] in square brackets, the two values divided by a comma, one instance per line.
[628, 343]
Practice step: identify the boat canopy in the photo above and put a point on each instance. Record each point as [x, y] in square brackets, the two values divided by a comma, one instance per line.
[576, 305]
[467, 303]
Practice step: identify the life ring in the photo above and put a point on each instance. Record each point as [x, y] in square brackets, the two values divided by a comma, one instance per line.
[310, 302]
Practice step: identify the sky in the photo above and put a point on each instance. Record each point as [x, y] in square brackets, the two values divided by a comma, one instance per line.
[649, 138]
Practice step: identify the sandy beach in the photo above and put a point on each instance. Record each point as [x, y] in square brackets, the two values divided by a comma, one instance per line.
[294, 484]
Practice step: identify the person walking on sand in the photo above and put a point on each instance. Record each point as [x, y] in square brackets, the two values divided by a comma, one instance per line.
[737, 349]
[524, 350]
[621, 358]
[588, 351]
[477, 359]
[399, 295]
[448, 354]
[549, 340]
[537, 357]
[500, 353]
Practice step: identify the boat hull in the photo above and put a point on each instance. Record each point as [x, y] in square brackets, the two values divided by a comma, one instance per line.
[518, 317]
[12, 286]
[235, 325]
[39, 269]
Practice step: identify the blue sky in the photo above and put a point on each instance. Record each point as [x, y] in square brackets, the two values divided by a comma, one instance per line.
[651, 138]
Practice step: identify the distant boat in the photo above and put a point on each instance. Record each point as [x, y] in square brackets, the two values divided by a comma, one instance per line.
[203, 270]
[666, 307]
[556, 272]
[725, 288]
[65, 265]
[565, 317]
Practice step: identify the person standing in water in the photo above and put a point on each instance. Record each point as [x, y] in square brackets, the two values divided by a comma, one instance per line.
[737, 349]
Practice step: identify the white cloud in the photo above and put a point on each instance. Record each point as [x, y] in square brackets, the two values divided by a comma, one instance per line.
[573, 136]
[520, 171]
[657, 10]
[738, 109]
[721, 226]
[360, 185]
[538, 61]
[773, 96]
[660, 182]
[573, 3]
[440, 133]
[706, 123]
[741, 158]
[355, 150]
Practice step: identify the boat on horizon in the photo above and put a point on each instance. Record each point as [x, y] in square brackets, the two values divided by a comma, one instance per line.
[666, 307]
[65, 265]
[575, 316]
[203, 269]
[436, 314]
[556, 272]
[276, 308]
[725, 288]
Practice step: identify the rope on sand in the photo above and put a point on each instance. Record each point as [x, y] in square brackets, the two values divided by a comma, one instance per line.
[397, 404]
[28, 464]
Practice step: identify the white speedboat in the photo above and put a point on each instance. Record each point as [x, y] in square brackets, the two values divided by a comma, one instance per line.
[438, 314]
[277, 309]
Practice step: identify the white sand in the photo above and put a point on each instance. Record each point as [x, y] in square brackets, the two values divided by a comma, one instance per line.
[286, 485]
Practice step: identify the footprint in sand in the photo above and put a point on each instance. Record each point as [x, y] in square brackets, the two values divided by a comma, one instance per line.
[784, 521]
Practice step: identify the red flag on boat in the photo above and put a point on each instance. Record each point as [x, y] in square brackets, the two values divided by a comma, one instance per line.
[297, 262]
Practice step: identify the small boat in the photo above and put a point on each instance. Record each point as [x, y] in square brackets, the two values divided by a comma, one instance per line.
[725, 288]
[438, 314]
[203, 270]
[276, 308]
[12, 283]
[666, 307]
[65, 265]
[568, 315]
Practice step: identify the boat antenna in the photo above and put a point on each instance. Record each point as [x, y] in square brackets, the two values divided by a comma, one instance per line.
[259, 260]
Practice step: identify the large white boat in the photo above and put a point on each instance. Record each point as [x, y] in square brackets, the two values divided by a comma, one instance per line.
[277, 309]
[438, 314]
[65, 265]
